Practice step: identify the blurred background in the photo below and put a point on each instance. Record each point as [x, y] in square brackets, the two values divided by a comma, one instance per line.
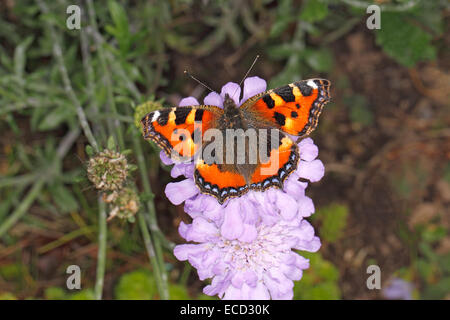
[68, 93]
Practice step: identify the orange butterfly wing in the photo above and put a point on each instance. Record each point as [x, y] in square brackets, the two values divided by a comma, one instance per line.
[223, 183]
[294, 108]
[177, 129]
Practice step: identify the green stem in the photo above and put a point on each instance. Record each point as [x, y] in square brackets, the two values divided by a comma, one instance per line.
[106, 79]
[90, 79]
[149, 246]
[101, 254]
[185, 275]
[153, 224]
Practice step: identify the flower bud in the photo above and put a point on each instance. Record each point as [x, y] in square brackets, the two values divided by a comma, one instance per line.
[143, 109]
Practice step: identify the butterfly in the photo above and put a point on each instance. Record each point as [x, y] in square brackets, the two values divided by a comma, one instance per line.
[290, 110]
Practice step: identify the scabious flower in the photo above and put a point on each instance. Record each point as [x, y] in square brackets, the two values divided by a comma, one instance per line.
[398, 289]
[246, 244]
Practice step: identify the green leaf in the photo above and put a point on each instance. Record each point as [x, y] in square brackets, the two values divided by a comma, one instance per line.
[438, 291]
[10, 271]
[334, 221]
[120, 30]
[178, 292]
[360, 112]
[313, 11]
[119, 16]
[20, 56]
[54, 293]
[319, 281]
[425, 269]
[403, 40]
[55, 117]
[283, 18]
[136, 285]
[111, 144]
[320, 60]
[90, 151]
[446, 174]
[281, 51]
[87, 294]
[63, 198]
[7, 296]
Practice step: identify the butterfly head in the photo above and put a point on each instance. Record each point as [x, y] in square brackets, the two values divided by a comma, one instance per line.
[228, 103]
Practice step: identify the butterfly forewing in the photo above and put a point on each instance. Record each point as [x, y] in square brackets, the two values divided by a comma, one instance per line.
[294, 108]
[175, 129]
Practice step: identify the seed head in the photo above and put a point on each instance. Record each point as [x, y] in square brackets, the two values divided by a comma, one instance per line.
[124, 203]
[108, 170]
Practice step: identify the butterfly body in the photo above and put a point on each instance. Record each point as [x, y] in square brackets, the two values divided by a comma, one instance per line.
[251, 148]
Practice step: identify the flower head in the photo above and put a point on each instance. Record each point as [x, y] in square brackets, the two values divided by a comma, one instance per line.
[124, 203]
[262, 268]
[108, 170]
[398, 289]
[246, 244]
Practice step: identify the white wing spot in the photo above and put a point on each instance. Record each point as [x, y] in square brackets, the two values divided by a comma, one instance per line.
[155, 116]
[312, 84]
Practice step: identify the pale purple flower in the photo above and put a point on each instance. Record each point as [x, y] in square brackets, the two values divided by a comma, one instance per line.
[398, 289]
[245, 245]
[261, 267]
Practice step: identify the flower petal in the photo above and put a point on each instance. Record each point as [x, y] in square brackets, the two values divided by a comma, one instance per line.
[177, 192]
[260, 292]
[232, 226]
[202, 230]
[213, 99]
[182, 169]
[287, 205]
[249, 234]
[233, 90]
[238, 279]
[305, 206]
[253, 86]
[308, 150]
[189, 101]
[251, 278]
[183, 229]
[232, 293]
[313, 171]
[165, 158]
[183, 251]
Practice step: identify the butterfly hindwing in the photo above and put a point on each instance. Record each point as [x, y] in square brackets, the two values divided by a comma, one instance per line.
[174, 129]
[228, 181]
[220, 182]
[294, 108]
[283, 160]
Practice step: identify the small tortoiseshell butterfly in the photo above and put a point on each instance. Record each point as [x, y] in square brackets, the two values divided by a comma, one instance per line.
[293, 110]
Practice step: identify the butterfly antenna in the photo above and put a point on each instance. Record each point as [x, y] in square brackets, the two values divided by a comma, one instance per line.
[246, 74]
[198, 81]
